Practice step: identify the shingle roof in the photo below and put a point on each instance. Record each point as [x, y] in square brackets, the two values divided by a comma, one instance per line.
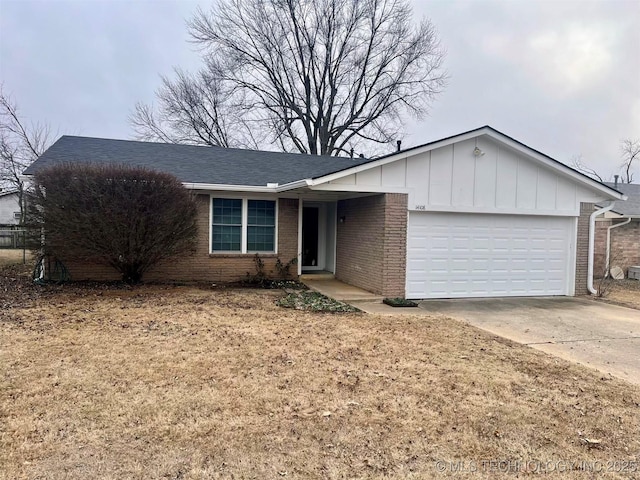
[631, 206]
[195, 164]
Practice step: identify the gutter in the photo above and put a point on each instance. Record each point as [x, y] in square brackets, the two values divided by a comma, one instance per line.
[268, 188]
[592, 235]
[607, 266]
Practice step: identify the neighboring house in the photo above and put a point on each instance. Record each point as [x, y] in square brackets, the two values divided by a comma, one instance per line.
[9, 207]
[474, 215]
[623, 225]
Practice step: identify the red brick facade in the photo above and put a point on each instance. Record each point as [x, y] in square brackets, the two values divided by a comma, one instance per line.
[582, 248]
[625, 245]
[371, 243]
[202, 266]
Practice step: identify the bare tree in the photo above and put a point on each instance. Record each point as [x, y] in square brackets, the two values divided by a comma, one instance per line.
[631, 156]
[313, 76]
[20, 145]
[578, 164]
[128, 218]
[194, 109]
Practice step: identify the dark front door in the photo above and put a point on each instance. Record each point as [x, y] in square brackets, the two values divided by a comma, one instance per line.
[310, 221]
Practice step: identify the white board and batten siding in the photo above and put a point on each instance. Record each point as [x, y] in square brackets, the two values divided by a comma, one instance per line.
[499, 224]
[452, 178]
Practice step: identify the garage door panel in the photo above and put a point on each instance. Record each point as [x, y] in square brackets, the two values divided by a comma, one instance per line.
[471, 255]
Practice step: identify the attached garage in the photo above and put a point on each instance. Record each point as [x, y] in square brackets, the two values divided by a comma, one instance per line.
[454, 255]
[485, 216]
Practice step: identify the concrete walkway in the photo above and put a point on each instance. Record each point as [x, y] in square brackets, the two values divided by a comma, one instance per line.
[339, 291]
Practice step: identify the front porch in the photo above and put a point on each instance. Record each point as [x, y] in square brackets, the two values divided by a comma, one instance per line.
[330, 287]
[358, 241]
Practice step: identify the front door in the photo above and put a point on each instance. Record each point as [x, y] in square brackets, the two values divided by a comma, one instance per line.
[310, 238]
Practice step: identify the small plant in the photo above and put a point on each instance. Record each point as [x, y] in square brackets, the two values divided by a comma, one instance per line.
[283, 269]
[605, 282]
[260, 278]
[315, 302]
[399, 302]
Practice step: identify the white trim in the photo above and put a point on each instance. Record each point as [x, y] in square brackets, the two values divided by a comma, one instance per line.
[337, 187]
[244, 226]
[501, 211]
[335, 239]
[230, 188]
[572, 260]
[300, 202]
[592, 236]
[247, 188]
[210, 248]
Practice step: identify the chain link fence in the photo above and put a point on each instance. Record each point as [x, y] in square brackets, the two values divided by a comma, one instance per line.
[13, 237]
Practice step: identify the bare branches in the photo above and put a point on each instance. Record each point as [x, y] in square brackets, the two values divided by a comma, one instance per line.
[631, 158]
[194, 109]
[313, 76]
[578, 164]
[20, 145]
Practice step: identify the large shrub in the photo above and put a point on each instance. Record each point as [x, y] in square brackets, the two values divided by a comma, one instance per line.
[126, 217]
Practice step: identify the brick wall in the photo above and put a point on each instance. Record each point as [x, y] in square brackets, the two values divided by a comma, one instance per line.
[600, 248]
[371, 243]
[201, 266]
[395, 245]
[582, 248]
[625, 246]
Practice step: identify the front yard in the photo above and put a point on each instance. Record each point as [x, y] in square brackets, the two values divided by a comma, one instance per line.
[13, 256]
[623, 292]
[188, 383]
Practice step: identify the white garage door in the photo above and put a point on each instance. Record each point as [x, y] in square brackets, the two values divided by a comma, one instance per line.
[454, 255]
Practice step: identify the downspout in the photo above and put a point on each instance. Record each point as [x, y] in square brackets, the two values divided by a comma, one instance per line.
[592, 235]
[608, 267]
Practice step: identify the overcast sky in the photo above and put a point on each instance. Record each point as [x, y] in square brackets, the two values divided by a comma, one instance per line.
[561, 76]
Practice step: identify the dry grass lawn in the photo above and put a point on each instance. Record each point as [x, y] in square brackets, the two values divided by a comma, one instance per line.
[623, 292]
[12, 256]
[191, 383]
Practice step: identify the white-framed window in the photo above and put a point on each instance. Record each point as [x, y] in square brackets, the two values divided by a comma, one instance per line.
[243, 225]
[17, 215]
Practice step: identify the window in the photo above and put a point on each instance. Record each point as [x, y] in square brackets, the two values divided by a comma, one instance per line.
[261, 225]
[242, 225]
[227, 225]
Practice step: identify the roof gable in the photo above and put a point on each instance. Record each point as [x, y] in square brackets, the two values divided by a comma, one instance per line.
[531, 154]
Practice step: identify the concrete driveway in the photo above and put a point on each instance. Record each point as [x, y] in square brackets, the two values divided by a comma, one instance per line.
[602, 336]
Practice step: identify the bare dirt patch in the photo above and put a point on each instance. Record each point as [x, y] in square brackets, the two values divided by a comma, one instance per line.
[623, 292]
[186, 383]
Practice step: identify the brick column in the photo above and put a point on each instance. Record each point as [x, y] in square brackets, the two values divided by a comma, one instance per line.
[582, 248]
[395, 245]
[372, 243]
